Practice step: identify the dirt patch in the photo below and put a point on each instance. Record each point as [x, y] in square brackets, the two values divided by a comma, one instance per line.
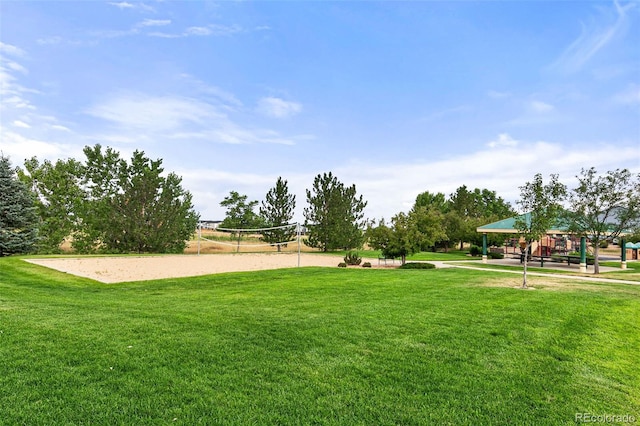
[142, 268]
[546, 283]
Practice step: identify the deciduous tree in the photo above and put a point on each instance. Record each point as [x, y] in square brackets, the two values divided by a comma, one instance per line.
[603, 206]
[541, 206]
[59, 198]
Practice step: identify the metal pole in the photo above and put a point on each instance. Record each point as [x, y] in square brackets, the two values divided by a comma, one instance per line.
[298, 232]
[199, 236]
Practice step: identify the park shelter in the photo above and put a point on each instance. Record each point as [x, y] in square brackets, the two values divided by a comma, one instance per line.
[508, 226]
[632, 250]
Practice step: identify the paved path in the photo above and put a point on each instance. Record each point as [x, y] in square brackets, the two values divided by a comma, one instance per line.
[441, 265]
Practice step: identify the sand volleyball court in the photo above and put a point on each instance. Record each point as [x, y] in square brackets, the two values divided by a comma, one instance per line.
[141, 268]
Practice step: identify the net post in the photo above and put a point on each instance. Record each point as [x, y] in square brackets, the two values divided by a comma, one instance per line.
[298, 237]
[199, 236]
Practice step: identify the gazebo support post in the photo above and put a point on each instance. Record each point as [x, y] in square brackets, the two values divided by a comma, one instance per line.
[484, 247]
[583, 255]
[623, 254]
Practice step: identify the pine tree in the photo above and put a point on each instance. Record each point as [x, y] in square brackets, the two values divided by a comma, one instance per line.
[18, 219]
[277, 210]
[335, 215]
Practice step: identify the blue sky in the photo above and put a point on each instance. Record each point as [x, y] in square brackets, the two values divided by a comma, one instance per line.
[395, 97]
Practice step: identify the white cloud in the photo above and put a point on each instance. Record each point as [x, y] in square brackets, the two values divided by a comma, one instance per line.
[504, 140]
[494, 94]
[141, 117]
[278, 108]
[49, 40]
[137, 5]
[595, 36]
[11, 50]
[198, 31]
[438, 115]
[390, 188]
[630, 96]
[541, 107]
[153, 23]
[209, 30]
[60, 128]
[22, 124]
[153, 113]
[19, 148]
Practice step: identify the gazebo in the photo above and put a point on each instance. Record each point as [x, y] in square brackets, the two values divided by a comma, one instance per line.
[507, 226]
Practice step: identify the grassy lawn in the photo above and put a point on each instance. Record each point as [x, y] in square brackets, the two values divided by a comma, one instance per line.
[632, 273]
[315, 346]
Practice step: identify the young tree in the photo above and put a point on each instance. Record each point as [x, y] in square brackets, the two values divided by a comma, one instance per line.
[602, 207]
[277, 210]
[335, 214]
[541, 206]
[59, 196]
[18, 219]
[401, 239]
[240, 214]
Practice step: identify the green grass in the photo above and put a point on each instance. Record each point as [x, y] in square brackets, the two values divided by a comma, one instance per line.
[314, 346]
[632, 273]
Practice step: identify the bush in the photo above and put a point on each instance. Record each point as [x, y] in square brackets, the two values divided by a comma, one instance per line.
[417, 265]
[366, 265]
[493, 255]
[342, 265]
[475, 251]
[604, 244]
[352, 258]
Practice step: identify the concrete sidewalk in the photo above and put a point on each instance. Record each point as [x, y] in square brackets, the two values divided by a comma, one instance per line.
[551, 266]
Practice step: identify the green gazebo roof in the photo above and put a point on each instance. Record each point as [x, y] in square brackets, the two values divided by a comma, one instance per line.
[508, 226]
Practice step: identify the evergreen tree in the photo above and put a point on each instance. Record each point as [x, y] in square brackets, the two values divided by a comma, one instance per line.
[18, 218]
[277, 210]
[335, 215]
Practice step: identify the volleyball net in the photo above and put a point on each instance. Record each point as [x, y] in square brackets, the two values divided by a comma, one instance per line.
[250, 239]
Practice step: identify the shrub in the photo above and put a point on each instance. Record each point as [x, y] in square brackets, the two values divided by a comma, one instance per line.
[493, 255]
[366, 265]
[417, 265]
[352, 258]
[475, 251]
[342, 265]
[604, 244]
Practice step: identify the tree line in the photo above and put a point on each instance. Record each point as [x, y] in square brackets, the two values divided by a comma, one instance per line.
[108, 204]
[101, 204]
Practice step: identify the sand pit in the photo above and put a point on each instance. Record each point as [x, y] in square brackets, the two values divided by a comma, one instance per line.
[142, 268]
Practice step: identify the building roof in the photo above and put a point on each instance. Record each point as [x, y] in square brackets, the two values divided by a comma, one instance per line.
[508, 226]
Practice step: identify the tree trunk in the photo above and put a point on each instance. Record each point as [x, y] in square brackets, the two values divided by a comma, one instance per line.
[596, 251]
[526, 259]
